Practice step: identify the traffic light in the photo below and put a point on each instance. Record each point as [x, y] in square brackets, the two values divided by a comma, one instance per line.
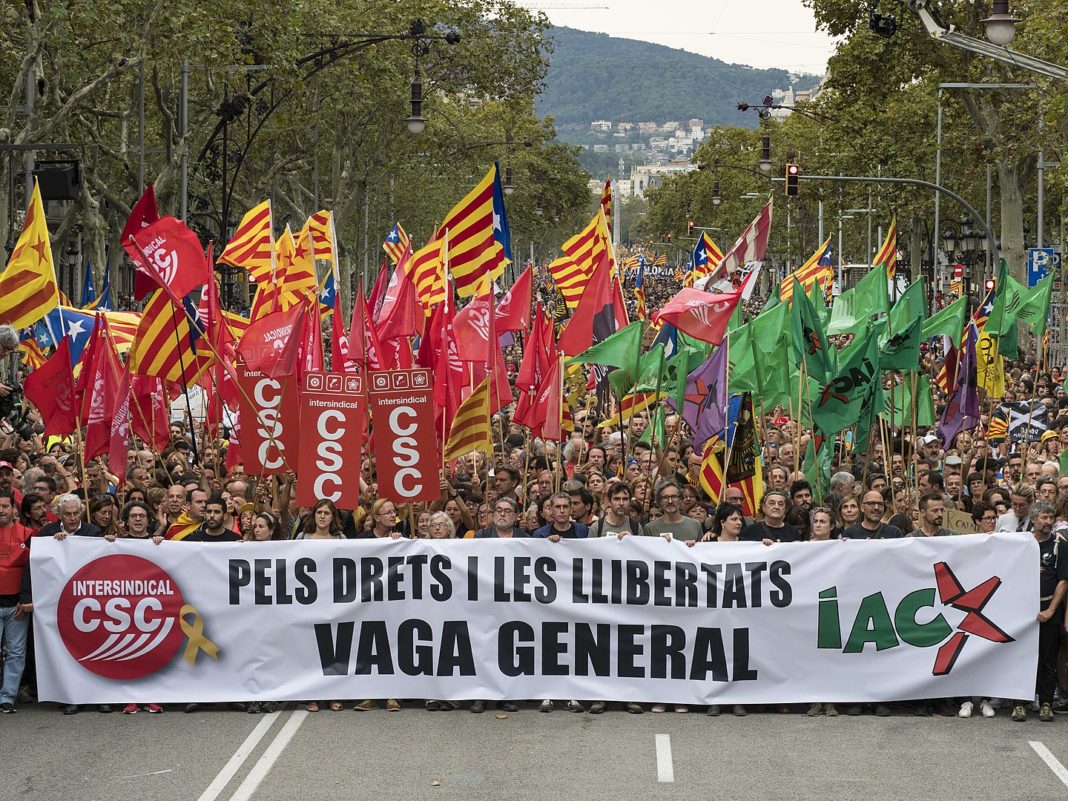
[989, 284]
[791, 173]
[958, 270]
[689, 228]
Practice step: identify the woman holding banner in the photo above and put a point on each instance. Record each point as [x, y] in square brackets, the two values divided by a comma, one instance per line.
[820, 520]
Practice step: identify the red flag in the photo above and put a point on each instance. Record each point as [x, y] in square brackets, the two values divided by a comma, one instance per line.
[104, 396]
[597, 315]
[340, 358]
[513, 312]
[538, 357]
[51, 389]
[472, 327]
[401, 315]
[90, 356]
[119, 442]
[171, 256]
[364, 348]
[142, 215]
[437, 351]
[271, 344]
[311, 347]
[148, 411]
[702, 315]
[378, 291]
[549, 404]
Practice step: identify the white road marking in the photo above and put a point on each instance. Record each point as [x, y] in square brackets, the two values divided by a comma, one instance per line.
[239, 757]
[266, 762]
[153, 773]
[665, 771]
[1051, 761]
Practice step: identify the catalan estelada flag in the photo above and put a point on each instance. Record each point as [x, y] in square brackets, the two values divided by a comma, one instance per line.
[28, 288]
[639, 289]
[166, 345]
[887, 255]
[252, 245]
[395, 243]
[705, 258]
[817, 268]
[478, 237]
[606, 202]
[470, 429]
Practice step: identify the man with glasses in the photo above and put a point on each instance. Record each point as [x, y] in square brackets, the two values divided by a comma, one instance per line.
[505, 517]
[871, 525]
[672, 523]
[1019, 517]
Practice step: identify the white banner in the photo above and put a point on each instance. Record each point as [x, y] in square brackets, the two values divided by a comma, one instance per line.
[640, 619]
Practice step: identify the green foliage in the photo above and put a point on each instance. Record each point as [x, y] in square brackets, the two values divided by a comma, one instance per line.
[596, 76]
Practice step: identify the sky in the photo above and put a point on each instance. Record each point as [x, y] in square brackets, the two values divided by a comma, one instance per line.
[760, 33]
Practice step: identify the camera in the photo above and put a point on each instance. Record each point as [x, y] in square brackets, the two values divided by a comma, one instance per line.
[13, 412]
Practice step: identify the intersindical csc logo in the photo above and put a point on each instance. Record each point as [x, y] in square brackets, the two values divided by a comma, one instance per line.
[875, 622]
[123, 617]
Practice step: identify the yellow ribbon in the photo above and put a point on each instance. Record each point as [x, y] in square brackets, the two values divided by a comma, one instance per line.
[195, 632]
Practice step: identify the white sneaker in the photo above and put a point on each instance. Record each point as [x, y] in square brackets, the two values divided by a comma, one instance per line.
[546, 706]
[965, 710]
[986, 709]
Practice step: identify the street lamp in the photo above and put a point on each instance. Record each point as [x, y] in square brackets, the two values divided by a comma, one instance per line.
[765, 164]
[716, 199]
[416, 123]
[1000, 25]
[508, 188]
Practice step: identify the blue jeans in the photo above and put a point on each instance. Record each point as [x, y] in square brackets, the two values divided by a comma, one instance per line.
[13, 633]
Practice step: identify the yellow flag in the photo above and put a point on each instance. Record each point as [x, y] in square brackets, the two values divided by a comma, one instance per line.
[989, 366]
[471, 427]
[28, 288]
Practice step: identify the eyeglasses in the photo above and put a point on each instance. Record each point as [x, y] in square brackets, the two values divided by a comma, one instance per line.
[989, 518]
[673, 497]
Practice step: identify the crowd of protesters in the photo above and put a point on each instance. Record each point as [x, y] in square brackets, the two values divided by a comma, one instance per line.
[602, 481]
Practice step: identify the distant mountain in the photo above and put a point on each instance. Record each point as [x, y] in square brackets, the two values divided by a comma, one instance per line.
[593, 76]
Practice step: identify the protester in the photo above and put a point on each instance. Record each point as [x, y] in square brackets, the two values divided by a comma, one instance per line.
[16, 601]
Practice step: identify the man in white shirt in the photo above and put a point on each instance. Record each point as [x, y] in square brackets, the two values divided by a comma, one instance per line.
[1019, 517]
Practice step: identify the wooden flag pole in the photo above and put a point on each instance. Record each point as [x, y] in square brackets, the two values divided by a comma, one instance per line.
[81, 464]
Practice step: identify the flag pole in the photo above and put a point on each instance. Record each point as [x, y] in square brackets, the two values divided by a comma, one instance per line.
[81, 464]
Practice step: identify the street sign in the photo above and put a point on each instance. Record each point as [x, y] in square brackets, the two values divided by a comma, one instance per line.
[1040, 262]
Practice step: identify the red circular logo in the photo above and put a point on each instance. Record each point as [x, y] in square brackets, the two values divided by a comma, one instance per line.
[119, 617]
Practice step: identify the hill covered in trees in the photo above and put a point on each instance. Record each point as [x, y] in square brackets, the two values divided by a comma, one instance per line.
[593, 76]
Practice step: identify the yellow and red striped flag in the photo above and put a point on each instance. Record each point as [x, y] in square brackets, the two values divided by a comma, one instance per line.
[473, 249]
[470, 429]
[583, 252]
[710, 475]
[321, 226]
[32, 355]
[28, 289]
[887, 254]
[164, 347]
[427, 267]
[396, 242]
[606, 202]
[817, 268]
[252, 245]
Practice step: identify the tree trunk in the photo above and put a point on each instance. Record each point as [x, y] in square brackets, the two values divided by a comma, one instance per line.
[1012, 241]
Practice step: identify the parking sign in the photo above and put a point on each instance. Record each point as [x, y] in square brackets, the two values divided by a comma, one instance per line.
[1039, 264]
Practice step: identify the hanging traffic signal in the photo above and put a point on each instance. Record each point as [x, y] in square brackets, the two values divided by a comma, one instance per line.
[989, 284]
[689, 228]
[791, 173]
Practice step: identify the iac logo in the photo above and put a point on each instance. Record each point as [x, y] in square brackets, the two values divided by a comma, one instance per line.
[875, 623]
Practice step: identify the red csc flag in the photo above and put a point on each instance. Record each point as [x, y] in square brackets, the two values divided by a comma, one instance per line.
[403, 434]
[170, 254]
[702, 315]
[272, 343]
[269, 408]
[332, 420]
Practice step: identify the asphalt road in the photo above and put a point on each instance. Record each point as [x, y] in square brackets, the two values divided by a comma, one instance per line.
[220, 755]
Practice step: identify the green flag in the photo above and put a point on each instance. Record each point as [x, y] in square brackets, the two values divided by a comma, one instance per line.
[1064, 462]
[817, 464]
[854, 308]
[840, 401]
[1017, 303]
[810, 341]
[618, 350]
[772, 374]
[995, 322]
[901, 415]
[899, 346]
[873, 407]
[655, 428]
[949, 321]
